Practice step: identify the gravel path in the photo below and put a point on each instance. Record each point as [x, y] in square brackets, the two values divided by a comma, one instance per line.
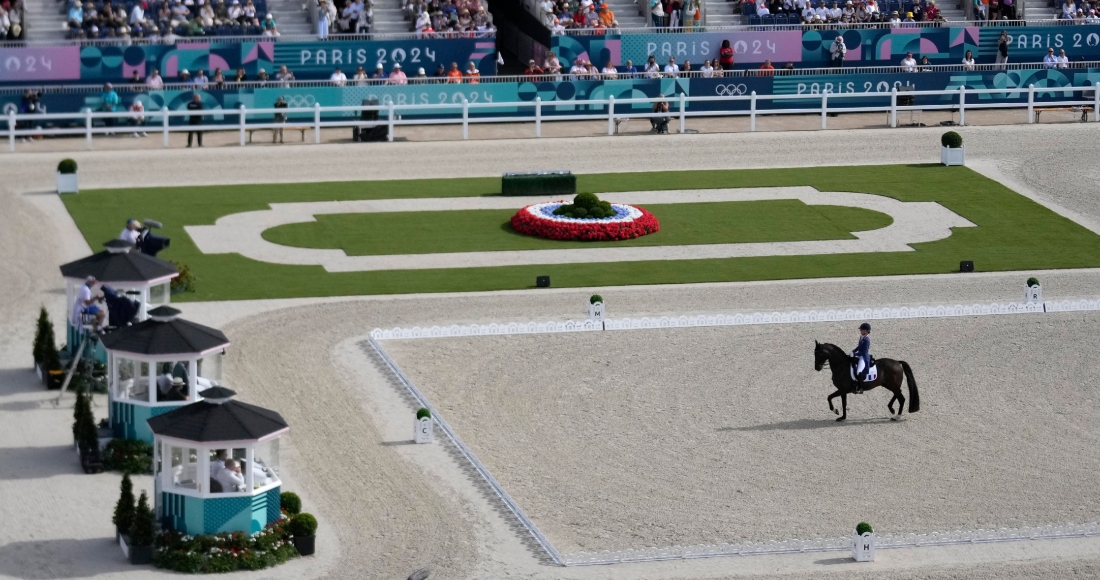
[242, 233]
[388, 516]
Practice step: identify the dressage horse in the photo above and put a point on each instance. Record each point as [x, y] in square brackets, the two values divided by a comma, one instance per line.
[889, 376]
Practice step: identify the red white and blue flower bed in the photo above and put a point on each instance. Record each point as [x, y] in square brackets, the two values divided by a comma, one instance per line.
[628, 222]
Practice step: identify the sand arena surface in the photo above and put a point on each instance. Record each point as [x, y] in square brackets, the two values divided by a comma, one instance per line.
[615, 440]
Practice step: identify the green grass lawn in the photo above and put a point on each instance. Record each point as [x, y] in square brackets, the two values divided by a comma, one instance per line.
[1013, 233]
[423, 232]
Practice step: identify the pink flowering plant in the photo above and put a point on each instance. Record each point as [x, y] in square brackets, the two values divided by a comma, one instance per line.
[225, 552]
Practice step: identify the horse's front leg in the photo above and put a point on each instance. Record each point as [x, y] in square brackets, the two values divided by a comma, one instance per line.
[830, 399]
[844, 407]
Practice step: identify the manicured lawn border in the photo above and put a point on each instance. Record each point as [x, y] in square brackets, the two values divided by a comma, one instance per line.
[1013, 233]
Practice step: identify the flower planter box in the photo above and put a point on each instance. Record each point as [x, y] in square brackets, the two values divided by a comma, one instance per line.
[596, 312]
[137, 555]
[90, 461]
[863, 547]
[54, 379]
[953, 156]
[1033, 294]
[305, 545]
[67, 183]
[425, 430]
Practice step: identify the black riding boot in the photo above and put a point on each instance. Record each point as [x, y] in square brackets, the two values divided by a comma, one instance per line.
[860, 377]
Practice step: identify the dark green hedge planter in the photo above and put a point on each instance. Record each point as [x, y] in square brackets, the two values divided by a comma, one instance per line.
[305, 544]
[539, 183]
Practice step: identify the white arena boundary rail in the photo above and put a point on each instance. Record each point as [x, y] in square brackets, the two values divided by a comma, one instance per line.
[459, 113]
[903, 540]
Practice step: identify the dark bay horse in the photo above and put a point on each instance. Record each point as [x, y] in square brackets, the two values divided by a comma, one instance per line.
[890, 375]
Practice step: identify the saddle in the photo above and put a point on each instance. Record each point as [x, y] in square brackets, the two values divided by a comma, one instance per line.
[872, 370]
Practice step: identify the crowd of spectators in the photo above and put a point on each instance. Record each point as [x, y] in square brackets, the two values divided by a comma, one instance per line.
[564, 15]
[11, 20]
[1083, 12]
[818, 12]
[675, 13]
[435, 16]
[170, 18]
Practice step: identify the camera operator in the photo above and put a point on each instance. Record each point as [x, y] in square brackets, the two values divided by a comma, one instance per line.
[132, 232]
[86, 304]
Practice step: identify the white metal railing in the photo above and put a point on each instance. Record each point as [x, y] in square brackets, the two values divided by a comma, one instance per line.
[460, 113]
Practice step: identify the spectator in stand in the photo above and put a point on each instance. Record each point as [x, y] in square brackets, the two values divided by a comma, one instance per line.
[932, 12]
[180, 14]
[473, 76]
[284, 76]
[981, 9]
[338, 77]
[968, 60]
[808, 14]
[326, 15]
[240, 77]
[221, 13]
[236, 11]
[379, 72]
[1050, 61]
[360, 77]
[672, 70]
[532, 71]
[135, 79]
[579, 71]
[1008, 9]
[849, 12]
[268, 26]
[196, 120]
[552, 65]
[895, 21]
[767, 69]
[76, 19]
[194, 27]
[609, 71]
[706, 71]
[262, 77]
[420, 78]
[201, 79]
[925, 64]
[109, 102]
[137, 117]
[137, 13]
[423, 24]
[908, 20]
[454, 76]
[909, 64]
[1092, 18]
[1002, 48]
[630, 71]
[557, 28]
[918, 11]
[685, 69]
[833, 13]
[397, 77]
[652, 69]
[185, 77]
[837, 52]
[250, 16]
[219, 79]
[154, 82]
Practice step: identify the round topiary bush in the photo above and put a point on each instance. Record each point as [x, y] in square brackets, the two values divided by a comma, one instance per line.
[67, 166]
[1032, 282]
[586, 200]
[863, 528]
[595, 298]
[951, 140]
[303, 526]
[422, 413]
[291, 502]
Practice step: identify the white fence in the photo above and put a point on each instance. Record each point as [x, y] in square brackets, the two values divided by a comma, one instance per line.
[459, 113]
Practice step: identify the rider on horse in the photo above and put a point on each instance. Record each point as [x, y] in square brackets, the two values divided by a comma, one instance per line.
[861, 356]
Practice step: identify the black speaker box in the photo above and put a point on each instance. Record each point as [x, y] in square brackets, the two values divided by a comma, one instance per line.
[966, 266]
[542, 281]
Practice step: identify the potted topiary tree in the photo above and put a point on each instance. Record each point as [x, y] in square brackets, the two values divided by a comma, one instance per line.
[1034, 291]
[303, 529]
[596, 308]
[425, 427]
[952, 151]
[291, 503]
[66, 177]
[43, 326]
[124, 509]
[141, 533]
[863, 543]
[86, 434]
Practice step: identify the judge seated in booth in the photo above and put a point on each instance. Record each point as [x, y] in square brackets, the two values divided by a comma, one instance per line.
[170, 388]
[227, 473]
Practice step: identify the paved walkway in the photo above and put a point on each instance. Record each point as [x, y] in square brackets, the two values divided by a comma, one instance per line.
[242, 232]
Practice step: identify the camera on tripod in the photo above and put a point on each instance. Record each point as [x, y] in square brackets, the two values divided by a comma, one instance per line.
[149, 243]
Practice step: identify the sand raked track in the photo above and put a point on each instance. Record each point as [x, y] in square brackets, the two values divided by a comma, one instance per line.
[387, 509]
[632, 439]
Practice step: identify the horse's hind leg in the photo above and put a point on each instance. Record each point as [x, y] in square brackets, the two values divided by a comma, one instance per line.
[890, 405]
[901, 405]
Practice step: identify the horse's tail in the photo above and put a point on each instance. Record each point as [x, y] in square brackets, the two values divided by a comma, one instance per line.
[914, 396]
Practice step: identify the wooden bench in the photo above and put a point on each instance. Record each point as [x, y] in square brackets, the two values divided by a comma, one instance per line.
[301, 130]
[1084, 111]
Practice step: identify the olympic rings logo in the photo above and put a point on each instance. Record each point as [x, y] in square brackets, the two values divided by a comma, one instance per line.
[300, 101]
[731, 90]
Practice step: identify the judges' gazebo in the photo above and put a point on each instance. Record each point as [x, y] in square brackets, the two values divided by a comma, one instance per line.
[195, 493]
[157, 366]
[124, 269]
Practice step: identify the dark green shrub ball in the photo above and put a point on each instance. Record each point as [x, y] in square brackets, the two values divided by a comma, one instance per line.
[423, 412]
[586, 200]
[303, 525]
[580, 212]
[66, 166]
[1032, 282]
[291, 502]
[951, 140]
[595, 298]
[863, 528]
[562, 209]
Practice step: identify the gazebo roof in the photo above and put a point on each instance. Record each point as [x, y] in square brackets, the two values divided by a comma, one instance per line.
[164, 333]
[218, 420]
[118, 264]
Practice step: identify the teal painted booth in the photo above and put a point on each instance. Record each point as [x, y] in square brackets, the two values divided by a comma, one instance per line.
[216, 465]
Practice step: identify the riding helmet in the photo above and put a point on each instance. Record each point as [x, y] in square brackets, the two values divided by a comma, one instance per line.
[865, 326]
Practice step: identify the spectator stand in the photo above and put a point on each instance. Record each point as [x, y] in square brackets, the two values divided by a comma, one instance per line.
[158, 366]
[191, 497]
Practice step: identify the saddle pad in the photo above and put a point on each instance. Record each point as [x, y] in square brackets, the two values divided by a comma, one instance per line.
[871, 374]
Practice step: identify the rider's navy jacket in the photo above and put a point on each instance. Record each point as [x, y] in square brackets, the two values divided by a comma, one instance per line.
[863, 350]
